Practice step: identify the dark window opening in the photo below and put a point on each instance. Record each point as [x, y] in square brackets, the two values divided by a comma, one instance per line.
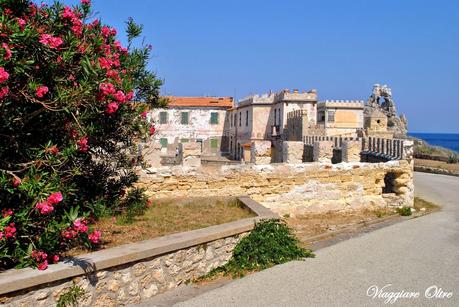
[389, 183]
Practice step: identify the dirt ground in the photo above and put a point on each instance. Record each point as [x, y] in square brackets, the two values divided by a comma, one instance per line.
[168, 216]
[453, 167]
[308, 226]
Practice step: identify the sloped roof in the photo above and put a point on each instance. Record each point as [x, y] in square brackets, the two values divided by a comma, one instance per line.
[175, 101]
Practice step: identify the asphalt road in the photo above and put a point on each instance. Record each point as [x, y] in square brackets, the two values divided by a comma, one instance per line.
[414, 256]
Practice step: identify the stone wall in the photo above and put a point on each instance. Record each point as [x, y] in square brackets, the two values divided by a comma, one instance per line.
[292, 152]
[132, 283]
[260, 152]
[291, 189]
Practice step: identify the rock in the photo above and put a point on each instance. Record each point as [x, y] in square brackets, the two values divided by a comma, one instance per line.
[133, 288]
[139, 269]
[150, 291]
[422, 209]
[41, 295]
[158, 274]
[105, 301]
[126, 278]
[113, 286]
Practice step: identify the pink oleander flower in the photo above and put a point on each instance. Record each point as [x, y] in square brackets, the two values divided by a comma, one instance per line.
[44, 207]
[53, 150]
[119, 96]
[105, 63]
[51, 41]
[54, 198]
[39, 255]
[144, 114]
[68, 13]
[80, 225]
[1, 235]
[10, 230]
[4, 91]
[69, 233]
[8, 53]
[16, 182]
[107, 88]
[129, 95]
[7, 212]
[86, 2]
[4, 75]
[152, 130]
[83, 144]
[22, 23]
[112, 107]
[41, 91]
[105, 31]
[43, 266]
[55, 259]
[94, 237]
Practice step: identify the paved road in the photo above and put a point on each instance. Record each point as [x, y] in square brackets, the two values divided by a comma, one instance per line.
[410, 256]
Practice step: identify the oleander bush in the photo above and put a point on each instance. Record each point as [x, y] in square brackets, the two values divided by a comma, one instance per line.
[73, 101]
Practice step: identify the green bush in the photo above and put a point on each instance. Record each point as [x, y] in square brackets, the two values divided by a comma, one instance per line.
[271, 242]
[404, 211]
[453, 158]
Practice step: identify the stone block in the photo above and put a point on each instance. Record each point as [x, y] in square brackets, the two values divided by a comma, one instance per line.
[323, 151]
[151, 153]
[292, 152]
[351, 150]
[190, 153]
[408, 150]
[260, 152]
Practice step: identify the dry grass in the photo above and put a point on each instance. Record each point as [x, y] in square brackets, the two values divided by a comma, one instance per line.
[420, 203]
[310, 225]
[168, 216]
[453, 167]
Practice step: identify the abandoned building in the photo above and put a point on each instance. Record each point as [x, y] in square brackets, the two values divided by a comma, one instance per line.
[223, 128]
[199, 119]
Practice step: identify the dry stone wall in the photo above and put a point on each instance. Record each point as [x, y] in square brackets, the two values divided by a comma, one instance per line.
[291, 188]
[133, 283]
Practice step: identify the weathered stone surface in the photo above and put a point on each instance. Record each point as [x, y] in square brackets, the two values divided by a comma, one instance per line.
[190, 154]
[323, 151]
[260, 152]
[351, 151]
[292, 152]
[297, 188]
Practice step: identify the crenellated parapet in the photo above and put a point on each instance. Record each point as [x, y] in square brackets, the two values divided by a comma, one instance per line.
[353, 104]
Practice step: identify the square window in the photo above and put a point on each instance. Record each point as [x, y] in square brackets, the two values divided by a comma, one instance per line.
[163, 118]
[214, 118]
[184, 119]
[163, 142]
[213, 143]
[331, 116]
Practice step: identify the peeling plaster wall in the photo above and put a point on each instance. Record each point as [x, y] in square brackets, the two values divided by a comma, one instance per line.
[199, 127]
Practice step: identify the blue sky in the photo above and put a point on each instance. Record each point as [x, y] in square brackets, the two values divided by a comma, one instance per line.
[339, 47]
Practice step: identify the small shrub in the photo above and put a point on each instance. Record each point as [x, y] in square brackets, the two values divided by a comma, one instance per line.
[271, 242]
[453, 158]
[404, 211]
[70, 298]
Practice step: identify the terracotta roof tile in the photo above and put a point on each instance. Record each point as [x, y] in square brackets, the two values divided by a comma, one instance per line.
[226, 102]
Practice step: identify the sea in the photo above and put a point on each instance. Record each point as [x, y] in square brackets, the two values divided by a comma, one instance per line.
[447, 140]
